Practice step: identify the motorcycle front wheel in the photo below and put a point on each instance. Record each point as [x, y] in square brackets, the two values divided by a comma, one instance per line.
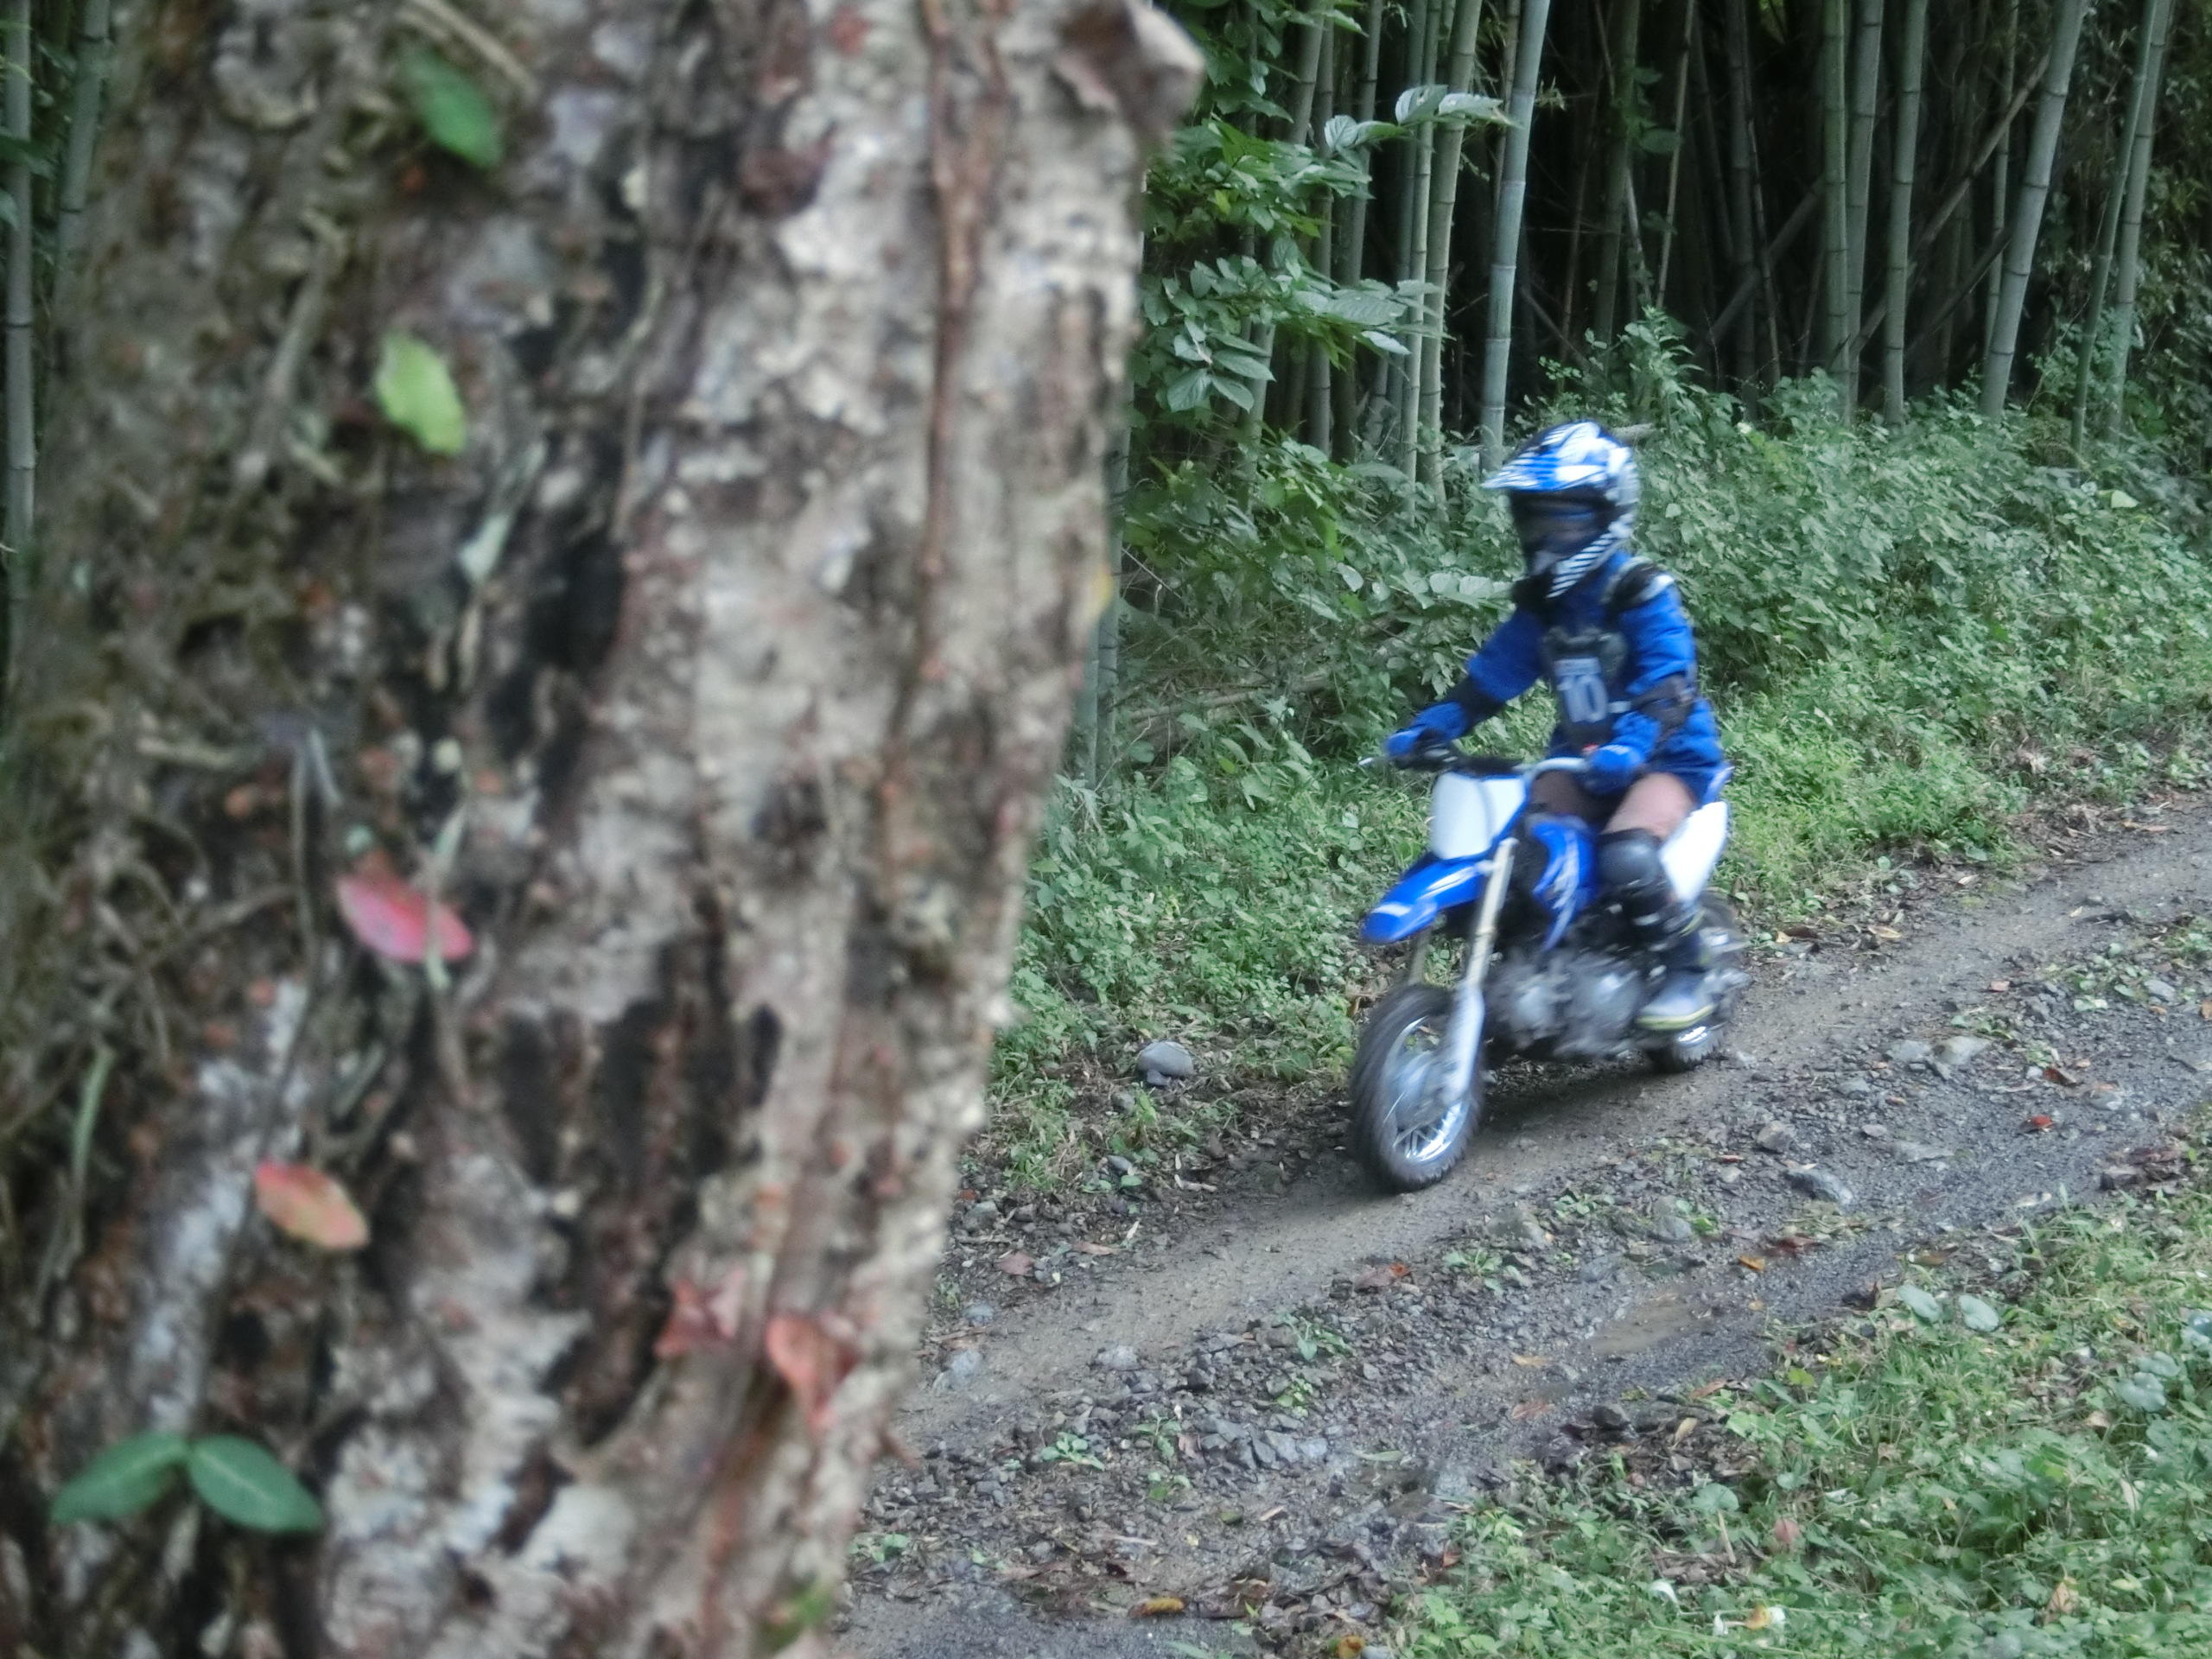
[1404, 1131]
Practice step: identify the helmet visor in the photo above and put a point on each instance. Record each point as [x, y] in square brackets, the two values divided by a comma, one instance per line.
[1555, 527]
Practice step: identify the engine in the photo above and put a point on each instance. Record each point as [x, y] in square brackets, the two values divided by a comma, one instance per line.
[1578, 1003]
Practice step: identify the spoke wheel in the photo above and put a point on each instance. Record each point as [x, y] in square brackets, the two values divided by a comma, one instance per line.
[1404, 1130]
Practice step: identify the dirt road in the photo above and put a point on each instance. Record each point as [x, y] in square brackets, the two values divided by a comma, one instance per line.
[1266, 1398]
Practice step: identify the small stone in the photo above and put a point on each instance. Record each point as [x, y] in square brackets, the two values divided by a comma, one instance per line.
[2113, 1177]
[1597, 1270]
[1612, 1419]
[2159, 990]
[1912, 1051]
[1857, 1087]
[1285, 1446]
[1959, 1050]
[1166, 1062]
[1776, 1138]
[964, 1368]
[1120, 1166]
[979, 1313]
[1263, 1451]
[1729, 1175]
[1672, 1230]
[1919, 1151]
[1121, 1357]
[1313, 1449]
[1875, 1131]
[1816, 1183]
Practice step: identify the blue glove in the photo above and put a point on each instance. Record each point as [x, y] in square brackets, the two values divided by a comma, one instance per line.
[1440, 722]
[1612, 769]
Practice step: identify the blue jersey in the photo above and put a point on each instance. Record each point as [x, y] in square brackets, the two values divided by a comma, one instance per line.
[1621, 662]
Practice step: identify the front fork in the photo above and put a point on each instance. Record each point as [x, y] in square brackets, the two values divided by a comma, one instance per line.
[1464, 1040]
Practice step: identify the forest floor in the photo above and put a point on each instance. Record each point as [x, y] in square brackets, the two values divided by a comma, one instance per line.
[1253, 1393]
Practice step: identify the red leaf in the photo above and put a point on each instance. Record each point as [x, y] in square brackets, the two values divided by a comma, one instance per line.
[1787, 1533]
[2039, 1123]
[811, 1362]
[393, 919]
[1015, 1262]
[311, 1206]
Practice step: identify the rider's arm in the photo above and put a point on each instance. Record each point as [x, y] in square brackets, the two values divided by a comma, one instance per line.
[1508, 664]
[1662, 690]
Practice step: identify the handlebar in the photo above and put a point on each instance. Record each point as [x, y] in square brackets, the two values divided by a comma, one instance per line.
[1442, 756]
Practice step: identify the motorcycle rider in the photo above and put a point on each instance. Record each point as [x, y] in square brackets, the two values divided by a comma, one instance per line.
[1609, 630]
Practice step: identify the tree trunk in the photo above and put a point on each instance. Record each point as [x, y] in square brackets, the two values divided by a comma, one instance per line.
[715, 680]
[1912, 63]
[1444, 200]
[1505, 247]
[1624, 50]
[2025, 222]
[1351, 245]
[1419, 207]
[2143, 128]
[1320, 403]
[2000, 178]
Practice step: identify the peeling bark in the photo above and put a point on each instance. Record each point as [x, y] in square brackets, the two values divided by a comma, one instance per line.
[716, 683]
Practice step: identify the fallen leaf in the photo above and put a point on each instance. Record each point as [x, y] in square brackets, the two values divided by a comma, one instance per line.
[1529, 1410]
[2204, 1009]
[1791, 1244]
[699, 1319]
[1014, 1262]
[1751, 1262]
[812, 1361]
[1530, 1360]
[2061, 1077]
[2064, 1599]
[1683, 1429]
[2040, 1124]
[2146, 828]
[1787, 1534]
[2000, 985]
[1888, 935]
[1763, 1618]
[310, 1205]
[395, 920]
[2098, 1419]
[1085, 1247]
[1350, 1646]
[1156, 1607]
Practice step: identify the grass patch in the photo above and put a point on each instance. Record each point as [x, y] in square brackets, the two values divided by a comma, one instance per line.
[1976, 1480]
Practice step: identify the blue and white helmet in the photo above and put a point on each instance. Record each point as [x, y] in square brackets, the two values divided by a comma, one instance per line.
[1582, 460]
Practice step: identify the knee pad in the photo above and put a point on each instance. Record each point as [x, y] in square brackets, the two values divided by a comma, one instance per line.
[1628, 863]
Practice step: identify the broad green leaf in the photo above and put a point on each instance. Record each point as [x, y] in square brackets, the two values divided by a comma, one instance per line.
[1923, 1305]
[1715, 1499]
[415, 391]
[451, 107]
[1977, 1314]
[122, 1480]
[1471, 106]
[2142, 1391]
[242, 1482]
[1189, 391]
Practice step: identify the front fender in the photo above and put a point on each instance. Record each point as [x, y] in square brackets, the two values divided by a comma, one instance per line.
[1423, 893]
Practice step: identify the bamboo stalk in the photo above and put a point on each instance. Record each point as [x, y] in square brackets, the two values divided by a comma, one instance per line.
[1413, 369]
[94, 52]
[22, 432]
[1682, 144]
[1505, 248]
[1866, 78]
[1743, 165]
[1320, 392]
[2001, 177]
[2026, 220]
[1351, 245]
[1903, 171]
[1301, 128]
[1623, 51]
[2150, 76]
[1835, 149]
[1444, 200]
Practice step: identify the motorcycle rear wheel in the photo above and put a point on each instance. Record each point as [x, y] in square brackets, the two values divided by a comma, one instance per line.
[1403, 1134]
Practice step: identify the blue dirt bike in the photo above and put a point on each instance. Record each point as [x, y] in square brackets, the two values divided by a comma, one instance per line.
[1550, 971]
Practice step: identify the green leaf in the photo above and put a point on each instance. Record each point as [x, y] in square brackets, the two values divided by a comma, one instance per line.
[1977, 1314]
[121, 1481]
[1715, 1499]
[415, 391]
[242, 1482]
[2143, 1391]
[452, 108]
[1189, 391]
[1923, 1305]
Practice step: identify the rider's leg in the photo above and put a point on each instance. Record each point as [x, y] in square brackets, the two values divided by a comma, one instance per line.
[1562, 793]
[1628, 863]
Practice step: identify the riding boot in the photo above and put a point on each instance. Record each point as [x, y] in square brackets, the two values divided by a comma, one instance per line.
[1669, 927]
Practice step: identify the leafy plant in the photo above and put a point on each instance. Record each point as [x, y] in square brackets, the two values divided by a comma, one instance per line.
[234, 1477]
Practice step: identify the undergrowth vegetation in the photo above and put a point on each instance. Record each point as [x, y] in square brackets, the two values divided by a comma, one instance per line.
[1959, 1480]
[1909, 635]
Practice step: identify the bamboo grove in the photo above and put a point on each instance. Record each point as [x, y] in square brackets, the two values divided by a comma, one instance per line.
[1390, 216]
